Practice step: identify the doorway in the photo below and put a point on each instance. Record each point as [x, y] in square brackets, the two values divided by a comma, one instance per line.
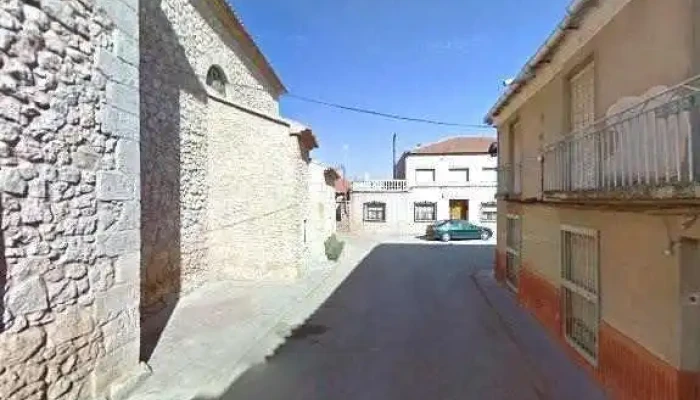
[459, 209]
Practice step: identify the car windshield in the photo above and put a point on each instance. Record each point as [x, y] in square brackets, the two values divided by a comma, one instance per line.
[441, 223]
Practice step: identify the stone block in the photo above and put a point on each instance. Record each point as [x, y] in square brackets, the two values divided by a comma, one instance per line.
[123, 97]
[73, 323]
[20, 347]
[120, 123]
[118, 299]
[61, 11]
[115, 69]
[115, 186]
[86, 159]
[38, 189]
[69, 174]
[58, 389]
[10, 108]
[128, 157]
[102, 275]
[122, 330]
[11, 182]
[27, 296]
[32, 211]
[130, 217]
[54, 43]
[36, 15]
[126, 48]
[117, 243]
[125, 18]
[120, 363]
[127, 268]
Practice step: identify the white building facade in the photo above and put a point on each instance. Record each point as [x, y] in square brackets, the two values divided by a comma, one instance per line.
[451, 179]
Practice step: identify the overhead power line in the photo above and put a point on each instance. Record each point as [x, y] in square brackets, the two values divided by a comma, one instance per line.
[372, 112]
[385, 115]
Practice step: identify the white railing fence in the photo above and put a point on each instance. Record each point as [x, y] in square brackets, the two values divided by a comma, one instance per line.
[650, 144]
[392, 185]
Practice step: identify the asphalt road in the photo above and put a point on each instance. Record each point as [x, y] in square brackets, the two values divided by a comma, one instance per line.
[408, 323]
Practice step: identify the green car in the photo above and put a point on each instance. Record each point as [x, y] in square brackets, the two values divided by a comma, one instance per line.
[457, 229]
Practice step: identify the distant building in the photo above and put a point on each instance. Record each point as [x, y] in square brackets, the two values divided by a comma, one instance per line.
[452, 179]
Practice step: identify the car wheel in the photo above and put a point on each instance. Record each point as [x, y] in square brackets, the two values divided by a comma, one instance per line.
[445, 237]
[486, 235]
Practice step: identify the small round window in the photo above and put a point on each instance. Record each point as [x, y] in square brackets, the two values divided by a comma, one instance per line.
[217, 80]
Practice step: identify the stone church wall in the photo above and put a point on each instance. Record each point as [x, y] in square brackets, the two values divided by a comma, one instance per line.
[221, 169]
[69, 179]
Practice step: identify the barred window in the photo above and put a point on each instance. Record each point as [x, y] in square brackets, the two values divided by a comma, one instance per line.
[217, 80]
[513, 242]
[489, 212]
[580, 288]
[375, 212]
[424, 212]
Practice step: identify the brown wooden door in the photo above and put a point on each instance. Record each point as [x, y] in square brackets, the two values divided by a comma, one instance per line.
[459, 209]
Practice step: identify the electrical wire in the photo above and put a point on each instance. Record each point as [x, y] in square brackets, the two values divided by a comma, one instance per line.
[371, 112]
[386, 115]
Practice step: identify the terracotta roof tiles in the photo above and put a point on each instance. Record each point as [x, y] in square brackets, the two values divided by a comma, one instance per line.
[457, 145]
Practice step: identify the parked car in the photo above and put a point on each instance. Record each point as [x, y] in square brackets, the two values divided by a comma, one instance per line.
[457, 229]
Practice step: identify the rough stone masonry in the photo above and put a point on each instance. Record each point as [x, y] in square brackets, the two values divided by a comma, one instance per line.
[69, 182]
[125, 180]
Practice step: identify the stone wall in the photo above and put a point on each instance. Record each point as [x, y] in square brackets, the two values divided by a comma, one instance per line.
[69, 171]
[218, 170]
[321, 211]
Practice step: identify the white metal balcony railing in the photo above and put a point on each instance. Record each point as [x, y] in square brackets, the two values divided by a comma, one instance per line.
[452, 184]
[647, 145]
[509, 179]
[392, 185]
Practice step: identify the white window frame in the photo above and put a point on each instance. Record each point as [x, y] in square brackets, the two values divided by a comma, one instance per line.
[418, 204]
[589, 292]
[419, 170]
[365, 209]
[488, 207]
[513, 250]
[460, 169]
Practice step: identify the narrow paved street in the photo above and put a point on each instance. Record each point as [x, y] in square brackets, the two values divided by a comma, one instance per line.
[409, 323]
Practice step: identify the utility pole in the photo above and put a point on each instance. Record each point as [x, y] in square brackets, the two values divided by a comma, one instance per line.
[393, 156]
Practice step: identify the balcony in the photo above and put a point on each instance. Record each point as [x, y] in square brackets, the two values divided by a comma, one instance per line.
[454, 184]
[646, 152]
[392, 185]
[509, 181]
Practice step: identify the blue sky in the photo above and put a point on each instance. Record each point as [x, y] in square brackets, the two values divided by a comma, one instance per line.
[436, 59]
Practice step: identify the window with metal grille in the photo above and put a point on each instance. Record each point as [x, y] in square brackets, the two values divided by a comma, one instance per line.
[580, 288]
[513, 242]
[375, 212]
[424, 212]
[489, 213]
[582, 96]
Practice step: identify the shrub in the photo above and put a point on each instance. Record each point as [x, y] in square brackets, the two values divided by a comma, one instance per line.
[333, 247]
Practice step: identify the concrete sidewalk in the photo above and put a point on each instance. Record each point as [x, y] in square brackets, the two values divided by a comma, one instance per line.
[219, 331]
[564, 379]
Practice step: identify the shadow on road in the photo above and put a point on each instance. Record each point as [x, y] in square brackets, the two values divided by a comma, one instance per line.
[397, 328]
